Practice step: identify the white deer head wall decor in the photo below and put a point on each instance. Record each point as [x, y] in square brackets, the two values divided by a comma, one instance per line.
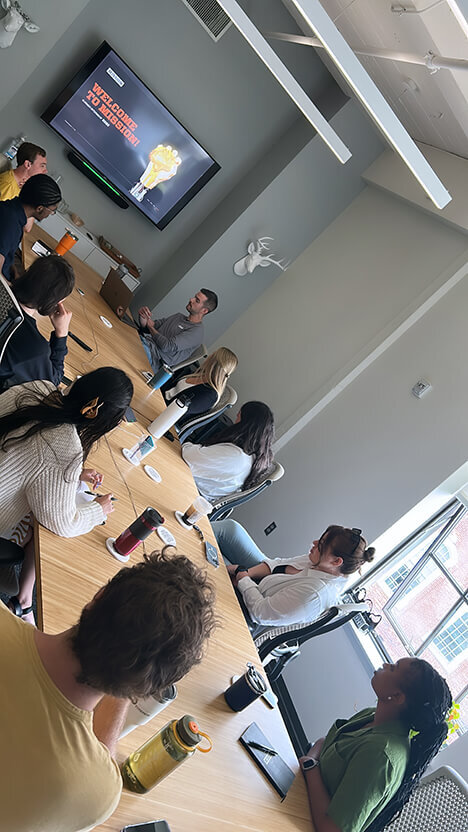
[14, 20]
[255, 257]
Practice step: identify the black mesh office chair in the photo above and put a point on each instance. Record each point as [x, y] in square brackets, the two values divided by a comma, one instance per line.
[223, 507]
[11, 315]
[228, 399]
[282, 644]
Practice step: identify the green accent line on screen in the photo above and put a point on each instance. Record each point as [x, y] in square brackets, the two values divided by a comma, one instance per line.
[100, 177]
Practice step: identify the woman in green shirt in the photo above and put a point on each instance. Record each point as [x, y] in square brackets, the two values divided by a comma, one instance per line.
[363, 772]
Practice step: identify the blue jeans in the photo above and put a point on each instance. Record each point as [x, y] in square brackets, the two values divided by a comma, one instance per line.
[235, 543]
[155, 367]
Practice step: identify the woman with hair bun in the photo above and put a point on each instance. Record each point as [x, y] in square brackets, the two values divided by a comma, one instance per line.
[291, 590]
[363, 772]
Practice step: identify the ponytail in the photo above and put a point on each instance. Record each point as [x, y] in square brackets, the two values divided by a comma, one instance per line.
[429, 701]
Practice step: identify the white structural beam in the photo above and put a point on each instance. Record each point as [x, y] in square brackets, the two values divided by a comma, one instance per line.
[460, 10]
[269, 57]
[372, 99]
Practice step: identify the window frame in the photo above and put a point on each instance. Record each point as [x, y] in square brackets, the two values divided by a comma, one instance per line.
[446, 520]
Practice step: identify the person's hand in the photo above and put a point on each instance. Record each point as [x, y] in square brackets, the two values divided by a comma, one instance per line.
[150, 326]
[231, 568]
[241, 575]
[316, 749]
[60, 320]
[145, 315]
[106, 503]
[91, 476]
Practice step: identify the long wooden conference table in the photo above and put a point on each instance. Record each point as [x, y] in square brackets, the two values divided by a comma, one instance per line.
[222, 790]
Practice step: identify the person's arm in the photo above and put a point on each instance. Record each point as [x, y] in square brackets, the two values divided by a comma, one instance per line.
[260, 570]
[319, 801]
[52, 499]
[60, 320]
[2, 260]
[186, 339]
[294, 603]
[108, 718]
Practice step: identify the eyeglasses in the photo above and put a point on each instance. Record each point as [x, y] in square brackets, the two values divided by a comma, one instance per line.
[51, 210]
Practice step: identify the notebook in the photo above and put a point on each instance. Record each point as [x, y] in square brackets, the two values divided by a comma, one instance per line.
[273, 766]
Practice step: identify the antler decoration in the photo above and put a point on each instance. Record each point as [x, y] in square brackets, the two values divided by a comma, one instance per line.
[255, 257]
[14, 20]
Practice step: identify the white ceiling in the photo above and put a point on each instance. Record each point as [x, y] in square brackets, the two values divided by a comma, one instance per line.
[432, 107]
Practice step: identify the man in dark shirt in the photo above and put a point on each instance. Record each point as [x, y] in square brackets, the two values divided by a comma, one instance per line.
[38, 198]
[173, 339]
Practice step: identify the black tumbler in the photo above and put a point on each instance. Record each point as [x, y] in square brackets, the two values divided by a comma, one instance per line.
[246, 689]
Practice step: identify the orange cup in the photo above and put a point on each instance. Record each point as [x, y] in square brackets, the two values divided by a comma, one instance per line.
[66, 243]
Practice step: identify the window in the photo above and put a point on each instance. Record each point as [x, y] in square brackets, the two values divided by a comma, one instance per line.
[453, 640]
[421, 592]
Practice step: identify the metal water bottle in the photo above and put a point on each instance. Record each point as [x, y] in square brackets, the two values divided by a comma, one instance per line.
[161, 754]
[139, 530]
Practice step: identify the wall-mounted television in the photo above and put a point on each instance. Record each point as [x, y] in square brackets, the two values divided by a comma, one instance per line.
[122, 130]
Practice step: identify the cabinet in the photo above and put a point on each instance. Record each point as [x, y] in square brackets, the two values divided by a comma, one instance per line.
[87, 248]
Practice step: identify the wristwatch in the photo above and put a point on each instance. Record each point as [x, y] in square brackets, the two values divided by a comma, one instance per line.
[241, 569]
[308, 764]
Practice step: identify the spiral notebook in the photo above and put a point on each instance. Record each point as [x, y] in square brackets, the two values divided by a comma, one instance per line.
[272, 765]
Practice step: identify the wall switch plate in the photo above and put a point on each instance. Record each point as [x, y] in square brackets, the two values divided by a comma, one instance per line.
[269, 529]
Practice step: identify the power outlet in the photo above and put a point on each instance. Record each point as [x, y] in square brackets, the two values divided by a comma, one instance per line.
[269, 529]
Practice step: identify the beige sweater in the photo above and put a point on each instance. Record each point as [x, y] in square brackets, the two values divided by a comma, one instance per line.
[41, 474]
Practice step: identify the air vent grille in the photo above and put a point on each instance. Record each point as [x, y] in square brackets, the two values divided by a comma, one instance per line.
[211, 16]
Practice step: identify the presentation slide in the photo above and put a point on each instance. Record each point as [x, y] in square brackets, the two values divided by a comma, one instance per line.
[122, 129]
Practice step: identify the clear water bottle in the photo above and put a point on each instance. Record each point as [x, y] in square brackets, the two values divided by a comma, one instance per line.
[161, 754]
[11, 151]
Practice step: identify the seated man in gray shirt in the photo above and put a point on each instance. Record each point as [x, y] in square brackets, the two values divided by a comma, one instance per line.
[171, 340]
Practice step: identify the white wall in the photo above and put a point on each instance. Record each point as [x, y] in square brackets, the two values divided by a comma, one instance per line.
[337, 301]
[375, 451]
[22, 58]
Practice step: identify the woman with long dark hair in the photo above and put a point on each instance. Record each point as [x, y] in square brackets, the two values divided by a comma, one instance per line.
[363, 772]
[237, 457]
[45, 437]
[41, 290]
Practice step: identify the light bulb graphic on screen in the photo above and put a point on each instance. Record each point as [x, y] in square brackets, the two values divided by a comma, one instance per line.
[163, 165]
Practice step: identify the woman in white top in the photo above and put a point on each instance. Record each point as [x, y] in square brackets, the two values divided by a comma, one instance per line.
[206, 385]
[45, 436]
[293, 590]
[237, 457]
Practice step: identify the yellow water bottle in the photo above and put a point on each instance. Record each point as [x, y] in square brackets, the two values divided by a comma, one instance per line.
[161, 754]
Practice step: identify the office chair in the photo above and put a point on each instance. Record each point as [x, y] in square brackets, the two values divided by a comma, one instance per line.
[228, 399]
[199, 353]
[11, 555]
[281, 644]
[11, 315]
[439, 802]
[223, 507]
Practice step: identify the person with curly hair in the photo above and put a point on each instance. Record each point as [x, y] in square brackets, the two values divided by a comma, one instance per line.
[363, 772]
[64, 697]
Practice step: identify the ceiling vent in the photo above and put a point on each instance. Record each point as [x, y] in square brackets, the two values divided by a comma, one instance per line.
[211, 16]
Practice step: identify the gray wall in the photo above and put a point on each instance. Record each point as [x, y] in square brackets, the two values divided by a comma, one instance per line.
[294, 209]
[22, 58]
[221, 92]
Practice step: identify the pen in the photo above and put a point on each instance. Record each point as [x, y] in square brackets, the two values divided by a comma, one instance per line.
[93, 494]
[262, 748]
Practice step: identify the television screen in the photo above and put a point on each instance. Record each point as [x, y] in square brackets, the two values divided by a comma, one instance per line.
[117, 125]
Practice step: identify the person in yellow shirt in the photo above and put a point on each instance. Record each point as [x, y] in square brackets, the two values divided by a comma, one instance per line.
[64, 697]
[30, 160]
